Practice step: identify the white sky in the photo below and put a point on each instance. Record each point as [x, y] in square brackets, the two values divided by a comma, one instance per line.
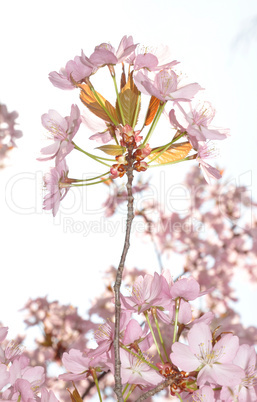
[40, 255]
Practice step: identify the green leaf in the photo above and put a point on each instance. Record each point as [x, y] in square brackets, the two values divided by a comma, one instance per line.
[128, 99]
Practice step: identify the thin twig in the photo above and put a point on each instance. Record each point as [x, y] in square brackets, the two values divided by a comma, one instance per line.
[130, 216]
[154, 391]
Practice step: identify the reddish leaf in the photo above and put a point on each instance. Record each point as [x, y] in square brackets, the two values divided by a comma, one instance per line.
[174, 153]
[89, 100]
[152, 110]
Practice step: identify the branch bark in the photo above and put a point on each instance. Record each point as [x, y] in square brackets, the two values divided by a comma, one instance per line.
[154, 391]
[130, 216]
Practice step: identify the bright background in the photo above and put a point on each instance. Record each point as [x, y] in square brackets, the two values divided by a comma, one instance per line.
[215, 42]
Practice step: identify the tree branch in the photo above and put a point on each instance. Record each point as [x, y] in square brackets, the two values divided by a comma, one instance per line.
[154, 391]
[130, 216]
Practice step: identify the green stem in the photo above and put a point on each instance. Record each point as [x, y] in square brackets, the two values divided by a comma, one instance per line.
[93, 178]
[96, 158]
[154, 124]
[89, 184]
[160, 336]
[151, 329]
[140, 357]
[130, 392]
[118, 99]
[177, 305]
[97, 386]
[178, 396]
[137, 110]
[125, 389]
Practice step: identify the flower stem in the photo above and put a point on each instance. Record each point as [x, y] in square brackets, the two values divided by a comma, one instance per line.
[160, 335]
[177, 305]
[154, 124]
[140, 357]
[96, 158]
[130, 392]
[89, 184]
[125, 389]
[117, 285]
[151, 329]
[178, 396]
[97, 384]
[93, 178]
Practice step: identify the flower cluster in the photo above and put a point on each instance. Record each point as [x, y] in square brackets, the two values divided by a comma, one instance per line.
[154, 320]
[18, 380]
[8, 132]
[142, 72]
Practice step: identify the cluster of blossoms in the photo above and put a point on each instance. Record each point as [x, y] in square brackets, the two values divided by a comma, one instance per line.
[8, 132]
[212, 366]
[214, 237]
[192, 357]
[141, 72]
[18, 380]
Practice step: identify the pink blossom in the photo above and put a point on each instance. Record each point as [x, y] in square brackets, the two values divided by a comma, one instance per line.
[63, 130]
[213, 362]
[79, 365]
[204, 152]
[104, 336]
[146, 293]
[23, 388]
[4, 376]
[204, 394]
[135, 334]
[165, 86]
[245, 391]
[136, 371]
[3, 333]
[105, 53]
[20, 369]
[57, 184]
[187, 288]
[197, 123]
[153, 60]
[77, 69]
[8, 132]
[48, 396]
[150, 62]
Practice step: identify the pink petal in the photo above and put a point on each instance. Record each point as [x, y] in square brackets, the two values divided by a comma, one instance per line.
[229, 345]
[183, 357]
[199, 337]
[222, 374]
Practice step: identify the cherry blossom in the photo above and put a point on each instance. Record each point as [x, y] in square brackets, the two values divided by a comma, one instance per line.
[77, 69]
[62, 131]
[105, 53]
[165, 86]
[57, 184]
[136, 371]
[213, 362]
[246, 390]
